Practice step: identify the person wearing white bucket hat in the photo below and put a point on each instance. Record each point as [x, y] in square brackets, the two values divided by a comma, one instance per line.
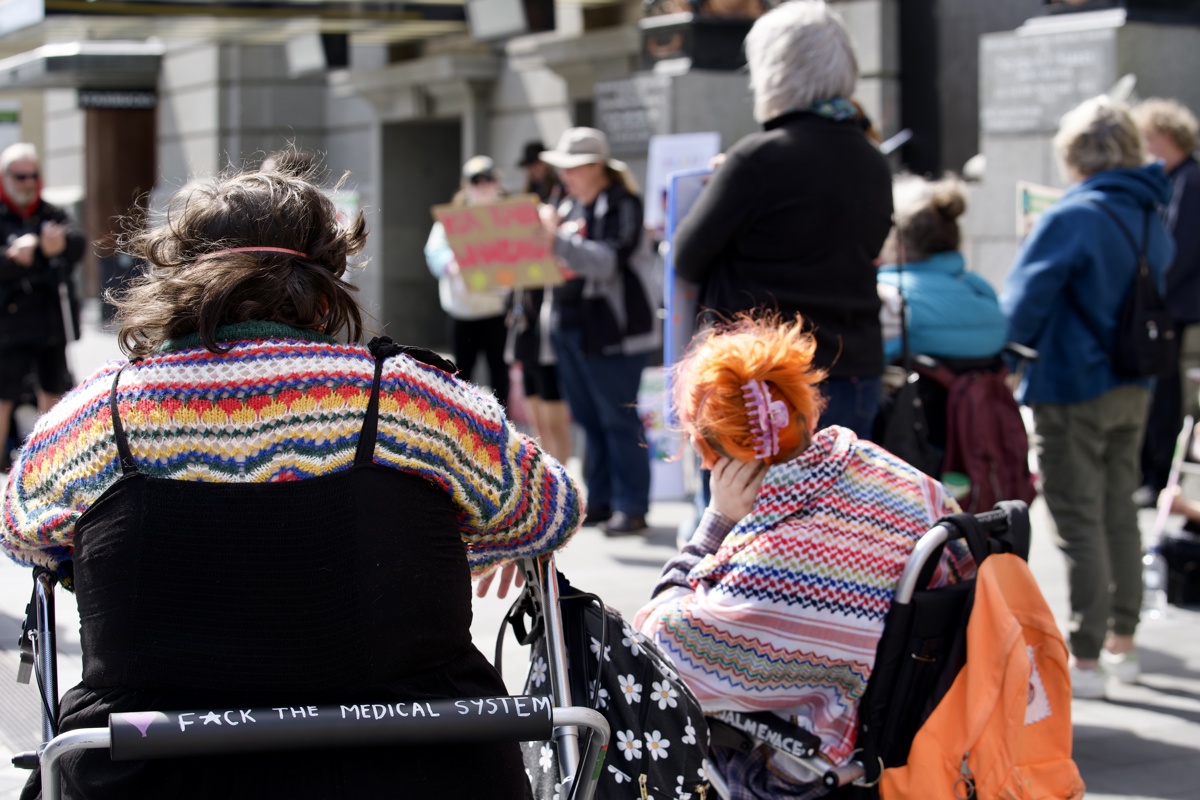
[580, 146]
[604, 322]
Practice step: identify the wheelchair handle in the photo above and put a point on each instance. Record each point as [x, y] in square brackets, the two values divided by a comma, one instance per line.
[1021, 351]
[172, 734]
[930, 544]
[994, 521]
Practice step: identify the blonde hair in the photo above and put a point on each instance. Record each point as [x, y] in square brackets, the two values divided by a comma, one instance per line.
[1096, 135]
[799, 53]
[1170, 118]
[623, 177]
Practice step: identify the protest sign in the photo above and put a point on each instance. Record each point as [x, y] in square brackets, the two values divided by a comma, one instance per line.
[347, 203]
[682, 296]
[1032, 201]
[681, 152]
[500, 244]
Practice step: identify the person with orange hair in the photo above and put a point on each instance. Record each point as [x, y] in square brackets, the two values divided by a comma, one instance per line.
[778, 600]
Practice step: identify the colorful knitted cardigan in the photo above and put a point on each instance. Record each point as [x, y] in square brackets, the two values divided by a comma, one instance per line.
[282, 405]
[786, 614]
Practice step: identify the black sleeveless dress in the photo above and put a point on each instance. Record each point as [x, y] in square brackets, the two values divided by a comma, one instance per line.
[345, 588]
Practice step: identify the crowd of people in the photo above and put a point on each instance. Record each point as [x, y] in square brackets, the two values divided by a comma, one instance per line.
[817, 270]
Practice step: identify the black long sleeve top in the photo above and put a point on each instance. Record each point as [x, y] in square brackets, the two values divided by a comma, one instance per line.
[793, 221]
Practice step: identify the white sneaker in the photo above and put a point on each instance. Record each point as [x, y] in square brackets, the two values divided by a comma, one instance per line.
[1125, 667]
[1088, 684]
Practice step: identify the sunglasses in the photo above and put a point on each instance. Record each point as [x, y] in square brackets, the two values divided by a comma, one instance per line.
[481, 178]
[23, 176]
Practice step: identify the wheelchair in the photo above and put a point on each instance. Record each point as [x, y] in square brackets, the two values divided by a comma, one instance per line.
[260, 729]
[921, 650]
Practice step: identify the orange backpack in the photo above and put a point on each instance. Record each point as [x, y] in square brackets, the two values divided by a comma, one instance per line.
[1003, 730]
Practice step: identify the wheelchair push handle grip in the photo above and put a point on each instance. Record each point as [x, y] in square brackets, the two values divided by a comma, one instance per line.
[170, 734]
[1021, 351]
[994, 521]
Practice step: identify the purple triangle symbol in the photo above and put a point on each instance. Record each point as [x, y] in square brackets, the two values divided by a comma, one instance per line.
[141, 720]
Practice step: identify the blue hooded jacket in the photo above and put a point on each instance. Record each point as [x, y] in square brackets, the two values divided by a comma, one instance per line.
[1075, 262]
[951, 313]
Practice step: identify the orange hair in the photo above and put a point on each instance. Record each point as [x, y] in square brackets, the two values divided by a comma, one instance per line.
[708, 384]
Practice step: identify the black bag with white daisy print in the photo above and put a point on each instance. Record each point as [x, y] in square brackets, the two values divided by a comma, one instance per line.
[659, 736]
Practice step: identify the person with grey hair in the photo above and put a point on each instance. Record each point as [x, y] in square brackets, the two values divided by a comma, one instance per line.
[1064, 297]
[42, 247]
[1170, 132]
[796, 214]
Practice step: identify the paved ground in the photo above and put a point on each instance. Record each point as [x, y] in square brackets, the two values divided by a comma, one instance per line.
[1144, 742]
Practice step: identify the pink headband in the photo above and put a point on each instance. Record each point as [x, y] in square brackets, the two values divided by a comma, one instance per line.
[252, 250]
[766, 418]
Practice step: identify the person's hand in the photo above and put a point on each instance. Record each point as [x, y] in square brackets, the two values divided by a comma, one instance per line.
[54, 239]
[716, 161]
[510, 576]
[23, 249]
[735, 486]
[550, 219]
[1178, 503]
[567, 273]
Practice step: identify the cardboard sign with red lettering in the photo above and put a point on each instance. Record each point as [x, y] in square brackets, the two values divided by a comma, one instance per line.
[500, 244]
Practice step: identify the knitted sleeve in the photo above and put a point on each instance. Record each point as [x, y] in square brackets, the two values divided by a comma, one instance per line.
[513, 499]
[64, 467]
[194, 415]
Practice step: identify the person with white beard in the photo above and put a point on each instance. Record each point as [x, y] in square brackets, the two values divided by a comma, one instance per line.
[41, 248]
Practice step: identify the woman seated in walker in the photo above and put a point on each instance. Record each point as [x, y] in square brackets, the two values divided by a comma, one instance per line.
[254, 513]
[779, 599]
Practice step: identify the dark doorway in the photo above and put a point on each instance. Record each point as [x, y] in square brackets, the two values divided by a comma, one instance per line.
[121, 170]
[421, 163]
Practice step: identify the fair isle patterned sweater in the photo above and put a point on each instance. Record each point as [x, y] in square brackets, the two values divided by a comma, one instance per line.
[283, 405]
[786, 614]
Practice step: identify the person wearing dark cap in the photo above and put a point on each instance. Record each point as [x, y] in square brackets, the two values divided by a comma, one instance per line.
[529, 328]
[540, 177]
[476, 318]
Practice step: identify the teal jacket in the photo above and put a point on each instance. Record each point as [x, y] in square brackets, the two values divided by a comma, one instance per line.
[951, 313]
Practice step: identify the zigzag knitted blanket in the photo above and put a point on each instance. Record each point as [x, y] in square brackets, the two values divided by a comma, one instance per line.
[786, 615]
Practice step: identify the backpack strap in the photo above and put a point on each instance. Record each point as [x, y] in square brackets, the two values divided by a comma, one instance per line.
[382, 348]
[1004, 529]
[1143, 264]
[1140, 252]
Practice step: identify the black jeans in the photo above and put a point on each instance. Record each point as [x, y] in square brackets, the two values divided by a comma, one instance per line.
[469, 338]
